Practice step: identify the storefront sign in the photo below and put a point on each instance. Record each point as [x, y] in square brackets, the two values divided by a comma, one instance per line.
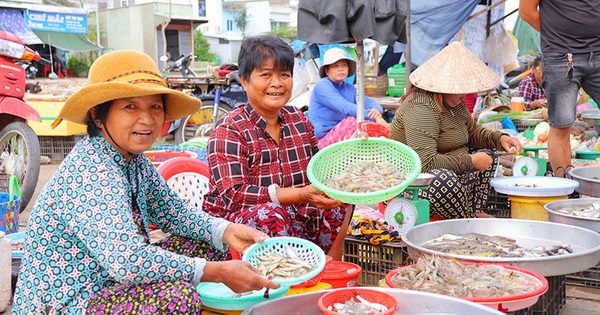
[57, 22]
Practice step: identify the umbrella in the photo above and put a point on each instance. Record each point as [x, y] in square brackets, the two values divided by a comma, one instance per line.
[338, 21]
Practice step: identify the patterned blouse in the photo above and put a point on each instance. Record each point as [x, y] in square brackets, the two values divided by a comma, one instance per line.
[530, 90]
[244, 160]
[83, 234]
[441, 136]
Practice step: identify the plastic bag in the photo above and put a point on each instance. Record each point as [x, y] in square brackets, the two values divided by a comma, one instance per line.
[500, 47]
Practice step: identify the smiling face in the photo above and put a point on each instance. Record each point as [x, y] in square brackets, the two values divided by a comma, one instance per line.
[268, 89]
[338, 71]
[134, 123]
[452, 100]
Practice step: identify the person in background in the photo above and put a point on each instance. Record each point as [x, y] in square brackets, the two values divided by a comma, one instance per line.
[258, 156]
[434, 121]
[59, 66]
[571, 49]
[531, 89]
[332, 109]
[87, 248]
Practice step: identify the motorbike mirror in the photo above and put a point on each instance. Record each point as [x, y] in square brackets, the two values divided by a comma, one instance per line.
[164, 58]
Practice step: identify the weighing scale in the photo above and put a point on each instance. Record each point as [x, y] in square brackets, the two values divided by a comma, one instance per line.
[530, 166]
[402, 213]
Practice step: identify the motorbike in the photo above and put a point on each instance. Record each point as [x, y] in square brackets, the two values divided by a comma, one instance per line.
[30, 69]
[19, 145]
[181, 64]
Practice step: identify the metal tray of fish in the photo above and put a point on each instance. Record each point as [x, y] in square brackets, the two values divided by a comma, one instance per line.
[588, 178]
[584, 212]
[584, 243]
[411, 303]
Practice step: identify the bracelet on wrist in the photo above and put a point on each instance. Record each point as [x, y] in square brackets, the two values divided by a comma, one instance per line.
[273, 193]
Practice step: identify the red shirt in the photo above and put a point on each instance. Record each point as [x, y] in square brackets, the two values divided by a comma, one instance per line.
[530, 90]
[244, 159]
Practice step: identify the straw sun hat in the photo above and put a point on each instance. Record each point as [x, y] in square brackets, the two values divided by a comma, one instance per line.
[332, 56]
[120, 74]
[454, 70]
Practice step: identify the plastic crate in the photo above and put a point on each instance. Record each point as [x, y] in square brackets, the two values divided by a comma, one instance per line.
[588, 278]
[550, 303]
[57, 148]
[375, 85]
[375, 260]
[498, 204]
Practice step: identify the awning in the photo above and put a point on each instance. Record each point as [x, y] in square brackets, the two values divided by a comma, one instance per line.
[12, 21]
[66, 41]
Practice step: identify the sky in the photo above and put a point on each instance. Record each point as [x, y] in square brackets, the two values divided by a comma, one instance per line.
[509, 22]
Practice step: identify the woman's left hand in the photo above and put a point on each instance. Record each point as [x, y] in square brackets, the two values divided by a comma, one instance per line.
[240, 236]
[374, 114]
[510, 144]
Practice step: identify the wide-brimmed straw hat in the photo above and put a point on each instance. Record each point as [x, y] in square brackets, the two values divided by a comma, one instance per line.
[121, 74]
[332, 56]
[454, 70]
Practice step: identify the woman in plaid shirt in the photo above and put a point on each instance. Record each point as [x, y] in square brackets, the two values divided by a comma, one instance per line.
[258, 154]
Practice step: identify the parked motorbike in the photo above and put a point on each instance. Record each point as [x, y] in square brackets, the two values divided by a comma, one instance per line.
[181, 64]
[30, 69]
[19, 146]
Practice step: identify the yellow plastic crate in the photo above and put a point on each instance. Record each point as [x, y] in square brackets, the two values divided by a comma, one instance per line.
[48, 110]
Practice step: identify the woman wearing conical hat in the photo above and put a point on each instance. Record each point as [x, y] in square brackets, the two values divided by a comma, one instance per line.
[434, 121]
[87, 247]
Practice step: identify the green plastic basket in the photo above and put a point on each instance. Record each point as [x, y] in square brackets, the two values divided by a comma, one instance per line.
[335, 159]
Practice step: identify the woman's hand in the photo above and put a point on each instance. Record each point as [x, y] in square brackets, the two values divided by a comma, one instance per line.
[510, 144]
[538, 104]
[240, 236]
[481, 161]
[373, 113]
[312, 195]
[238, 275]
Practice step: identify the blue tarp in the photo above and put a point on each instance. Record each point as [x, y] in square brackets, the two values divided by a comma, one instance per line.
[12, 21]
[432, 24]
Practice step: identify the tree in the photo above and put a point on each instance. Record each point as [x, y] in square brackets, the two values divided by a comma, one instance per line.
[287, 33]
[202, 47]
[242, 20]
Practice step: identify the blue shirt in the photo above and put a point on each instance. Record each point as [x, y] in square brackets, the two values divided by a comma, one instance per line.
[83, 236]
[330, 103]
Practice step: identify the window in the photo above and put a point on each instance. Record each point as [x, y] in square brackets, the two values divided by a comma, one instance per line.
[124, 3]
[201, 7]
[229, 25]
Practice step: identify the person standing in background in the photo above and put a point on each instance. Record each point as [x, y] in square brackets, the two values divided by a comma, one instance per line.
[531, 89]
[570, 40]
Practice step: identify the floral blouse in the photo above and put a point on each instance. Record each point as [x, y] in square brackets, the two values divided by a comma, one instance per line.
[83, 235]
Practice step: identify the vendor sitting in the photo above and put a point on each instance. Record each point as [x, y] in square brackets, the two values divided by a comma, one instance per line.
[332, 108]
[531, 89]
[434, 121]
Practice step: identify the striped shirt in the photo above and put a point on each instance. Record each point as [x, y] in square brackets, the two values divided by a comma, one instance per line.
[441, 136]
[244, 159]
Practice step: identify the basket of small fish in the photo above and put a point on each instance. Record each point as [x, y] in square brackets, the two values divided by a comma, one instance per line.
[504, 288]
[357, 301]
[360, 171]
[286, 260]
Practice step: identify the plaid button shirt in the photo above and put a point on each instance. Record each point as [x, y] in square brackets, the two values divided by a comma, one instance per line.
[530, 90]
[244, 159]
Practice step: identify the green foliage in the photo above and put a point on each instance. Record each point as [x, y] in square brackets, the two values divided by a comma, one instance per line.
[202, 48]
[285, 32]
[77, 65]
[242, 20]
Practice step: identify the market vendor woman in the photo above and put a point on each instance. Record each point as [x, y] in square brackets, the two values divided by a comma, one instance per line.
[434, 121]
[87, 248]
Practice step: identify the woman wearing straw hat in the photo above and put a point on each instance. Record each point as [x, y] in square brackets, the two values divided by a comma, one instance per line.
[258, 154]
[87, 248]
[332, 109]
[434, 121]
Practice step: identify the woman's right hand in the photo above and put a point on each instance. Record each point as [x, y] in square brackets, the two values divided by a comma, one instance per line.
[481, 161]
[312, 195]
[238, 275]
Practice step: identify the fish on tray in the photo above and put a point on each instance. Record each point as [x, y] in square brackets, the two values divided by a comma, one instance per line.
[481, 245]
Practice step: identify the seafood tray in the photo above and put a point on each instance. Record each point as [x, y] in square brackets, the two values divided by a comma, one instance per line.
[375, 260]
[410, 302]
[584, 243]
[588, 178]
[585, 214]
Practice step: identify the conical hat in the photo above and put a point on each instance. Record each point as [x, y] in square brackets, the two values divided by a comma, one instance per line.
[454, 70]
